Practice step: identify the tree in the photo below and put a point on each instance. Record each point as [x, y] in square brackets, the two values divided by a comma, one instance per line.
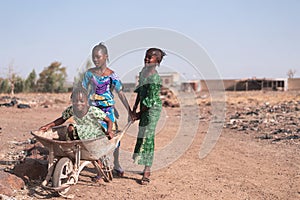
[30, 82]
[291, 73]
[52, 78]
[4, 86]
[11, 78]
[19, 84]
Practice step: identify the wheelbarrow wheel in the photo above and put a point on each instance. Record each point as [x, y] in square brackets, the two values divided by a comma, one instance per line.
[63, 175]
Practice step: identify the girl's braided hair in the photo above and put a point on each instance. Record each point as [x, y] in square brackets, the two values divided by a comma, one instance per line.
[77, 91]
[158, 52]
[101, 47]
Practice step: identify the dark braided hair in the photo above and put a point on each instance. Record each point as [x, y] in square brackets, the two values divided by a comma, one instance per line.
[77, 91]
[157, 52]
[101, 47]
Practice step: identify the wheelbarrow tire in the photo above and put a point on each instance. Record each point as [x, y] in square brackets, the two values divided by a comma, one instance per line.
[63, 174]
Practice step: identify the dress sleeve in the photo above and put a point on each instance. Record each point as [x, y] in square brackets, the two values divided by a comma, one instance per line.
[137, 89]
[116, 82]
[67, 113]
[85, 81]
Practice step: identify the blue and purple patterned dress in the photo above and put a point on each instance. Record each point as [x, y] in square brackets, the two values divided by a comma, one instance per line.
[100, 90]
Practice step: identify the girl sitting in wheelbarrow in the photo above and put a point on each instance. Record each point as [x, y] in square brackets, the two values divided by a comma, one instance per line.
[87, 118]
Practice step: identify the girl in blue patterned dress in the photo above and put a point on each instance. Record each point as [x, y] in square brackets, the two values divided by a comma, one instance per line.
[100, 81]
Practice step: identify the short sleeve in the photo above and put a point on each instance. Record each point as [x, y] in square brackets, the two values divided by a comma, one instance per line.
[85, 81]
[67, 113]
[116, 82]
[137, 90]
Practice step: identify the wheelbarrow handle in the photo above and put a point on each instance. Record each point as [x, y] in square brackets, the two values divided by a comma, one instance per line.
[119, 137]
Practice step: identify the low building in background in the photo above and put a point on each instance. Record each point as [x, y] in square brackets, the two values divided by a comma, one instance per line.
[173, 80]
[192, 85]
[170, 79]
[293, 84]
[245, 84]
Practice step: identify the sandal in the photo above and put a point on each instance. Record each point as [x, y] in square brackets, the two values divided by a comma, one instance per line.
[145, 180]
[97, 179]
[119, 172]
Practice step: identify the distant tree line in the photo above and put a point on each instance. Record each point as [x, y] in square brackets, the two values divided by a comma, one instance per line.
[52, 79]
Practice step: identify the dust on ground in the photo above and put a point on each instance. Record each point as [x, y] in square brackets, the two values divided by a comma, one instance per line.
[255, 157]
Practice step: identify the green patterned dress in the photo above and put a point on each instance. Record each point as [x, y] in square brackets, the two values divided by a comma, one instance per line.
[149, 91]
[87, 127]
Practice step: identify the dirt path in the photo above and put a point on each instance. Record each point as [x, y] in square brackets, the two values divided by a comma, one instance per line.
[239, 167]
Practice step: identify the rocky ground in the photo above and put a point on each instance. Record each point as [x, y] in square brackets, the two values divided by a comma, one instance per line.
[255, 156]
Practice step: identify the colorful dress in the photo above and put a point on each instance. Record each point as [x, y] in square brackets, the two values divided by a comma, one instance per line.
[149, 92]
[101, 92]
[88, 126]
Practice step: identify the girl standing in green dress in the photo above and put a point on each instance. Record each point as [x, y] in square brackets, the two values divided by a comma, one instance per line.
[148, 96]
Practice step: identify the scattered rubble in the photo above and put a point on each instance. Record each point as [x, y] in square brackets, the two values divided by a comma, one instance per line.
[276, 122]
[39, 100]
[168, 97]
[9, 183]
[25, 172]
[13, 102]
[18, 163]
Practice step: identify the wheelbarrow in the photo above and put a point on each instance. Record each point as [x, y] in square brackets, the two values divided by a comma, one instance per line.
[68, 158]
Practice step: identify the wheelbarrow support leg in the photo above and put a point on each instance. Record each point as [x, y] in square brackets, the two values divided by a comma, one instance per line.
[100, 171]
[51, 165]
[77, 157]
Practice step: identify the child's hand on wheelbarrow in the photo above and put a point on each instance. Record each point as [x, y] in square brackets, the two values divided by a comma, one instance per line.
[110, 135]
[44, 128]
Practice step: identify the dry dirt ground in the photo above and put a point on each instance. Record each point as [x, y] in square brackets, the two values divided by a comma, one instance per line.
[255, 157]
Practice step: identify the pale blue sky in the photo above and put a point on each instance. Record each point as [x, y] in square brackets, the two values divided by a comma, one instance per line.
[244, 38]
